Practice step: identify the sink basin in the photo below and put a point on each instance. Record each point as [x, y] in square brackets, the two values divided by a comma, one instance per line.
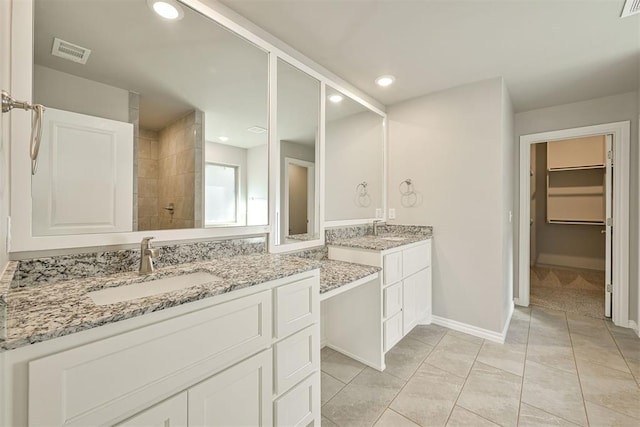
[394, 239]
[152, 287]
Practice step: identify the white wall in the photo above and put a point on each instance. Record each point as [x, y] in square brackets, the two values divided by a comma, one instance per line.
[452, 145]
[353, 154]
[608, 109]
[5, 63]
[508, 205]
[65, 91]
[232, 156]
[258, 185]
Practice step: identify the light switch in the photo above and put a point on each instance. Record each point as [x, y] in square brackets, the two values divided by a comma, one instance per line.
[378, 212]
[392, 213]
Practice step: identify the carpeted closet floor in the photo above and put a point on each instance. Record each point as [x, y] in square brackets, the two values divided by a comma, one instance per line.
[571, 290]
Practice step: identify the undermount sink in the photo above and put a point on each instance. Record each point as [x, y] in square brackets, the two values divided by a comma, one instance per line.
[394, 239]
[149, 288]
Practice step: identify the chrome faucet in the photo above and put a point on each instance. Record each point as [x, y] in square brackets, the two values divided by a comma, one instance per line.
[147, 255]
[376, 224]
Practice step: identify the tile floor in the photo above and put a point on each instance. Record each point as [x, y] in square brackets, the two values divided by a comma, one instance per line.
[555, 369]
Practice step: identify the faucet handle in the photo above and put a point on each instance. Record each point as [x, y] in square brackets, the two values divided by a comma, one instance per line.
[146, 241]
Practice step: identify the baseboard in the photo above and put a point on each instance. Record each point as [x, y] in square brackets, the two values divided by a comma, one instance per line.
[486, 334]
[571, 261]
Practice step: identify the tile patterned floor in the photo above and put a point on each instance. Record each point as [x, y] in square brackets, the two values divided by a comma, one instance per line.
[555, 369]
[571, 290]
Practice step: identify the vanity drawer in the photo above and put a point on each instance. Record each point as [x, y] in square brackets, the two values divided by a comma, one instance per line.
[392, 331]
[416, 258]
[301, 405]
[392, 299]
[88, 384]
[296, 306]
[296, 357]
[392, 268]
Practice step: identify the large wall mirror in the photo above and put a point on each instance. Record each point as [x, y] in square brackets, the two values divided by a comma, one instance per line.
[153, 124]
[298, 118]
[354, 160]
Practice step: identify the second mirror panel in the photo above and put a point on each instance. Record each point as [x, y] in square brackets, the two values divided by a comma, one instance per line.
[298, 115]
[354, 160]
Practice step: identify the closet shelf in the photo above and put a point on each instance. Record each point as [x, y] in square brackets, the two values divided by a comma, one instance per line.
[575, 222]
[576, 168]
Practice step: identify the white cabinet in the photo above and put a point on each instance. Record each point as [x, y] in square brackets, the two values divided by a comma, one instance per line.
[406, 285]
[169, 413]
[228, 360]
[237, 397]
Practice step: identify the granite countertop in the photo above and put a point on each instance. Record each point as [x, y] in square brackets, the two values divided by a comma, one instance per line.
[42, 312]
[381, 242]
[334, 274]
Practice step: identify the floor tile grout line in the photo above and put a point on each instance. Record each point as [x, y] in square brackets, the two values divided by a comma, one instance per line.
[524, 367]
[409, 379]
[575, 360]
[553, 415]
[462, 388]
[626, 362]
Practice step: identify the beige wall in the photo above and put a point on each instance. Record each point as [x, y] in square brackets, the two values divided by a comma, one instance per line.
[608, 109]
[567, 245]
[298, 200]
[148, 213]
[232, 156]
[456, 147]
[298, 151]
[353, 154]
[178, 168]
[63, 91]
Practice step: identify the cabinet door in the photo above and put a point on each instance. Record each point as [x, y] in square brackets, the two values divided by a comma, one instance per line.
[169, 413]
[416, 301]
[239, 396]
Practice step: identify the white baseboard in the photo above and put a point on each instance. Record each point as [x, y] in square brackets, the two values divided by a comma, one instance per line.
[571, 261]
[486, 334]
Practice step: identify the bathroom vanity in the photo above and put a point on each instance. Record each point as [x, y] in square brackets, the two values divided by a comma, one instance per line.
[241, 350]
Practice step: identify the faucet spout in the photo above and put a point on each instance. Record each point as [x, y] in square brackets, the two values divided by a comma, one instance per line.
[376, 224]
[147, 255]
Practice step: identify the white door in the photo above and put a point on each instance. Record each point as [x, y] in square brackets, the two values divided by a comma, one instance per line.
[608, 178]
[84, 181]
[239, 396]
[169, 413]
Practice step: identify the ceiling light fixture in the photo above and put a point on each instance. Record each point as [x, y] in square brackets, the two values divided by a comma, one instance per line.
[385, 81]
[335, 98]
[167, 9]
[223, 138]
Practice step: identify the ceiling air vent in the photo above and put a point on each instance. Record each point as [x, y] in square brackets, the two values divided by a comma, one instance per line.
[258, 129]
[631, 7]
[71, 51]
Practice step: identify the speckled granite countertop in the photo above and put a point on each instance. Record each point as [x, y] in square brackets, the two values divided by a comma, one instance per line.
[381, 242]
[334, 274]
[42, 312]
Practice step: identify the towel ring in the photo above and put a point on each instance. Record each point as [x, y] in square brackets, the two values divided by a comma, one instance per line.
[408, 196]
[363, 199]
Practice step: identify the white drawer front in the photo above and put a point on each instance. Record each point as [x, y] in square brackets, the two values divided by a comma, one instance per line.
[88, 383]
[392, 331]
[296, 306]
[170, 413]
[301, 405]
[416, 258]
[392, 268]
[392, 299]
[296, 357]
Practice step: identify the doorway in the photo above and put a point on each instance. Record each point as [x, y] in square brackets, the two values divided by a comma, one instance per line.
[299, 197]
[617, 229]
[571, 198]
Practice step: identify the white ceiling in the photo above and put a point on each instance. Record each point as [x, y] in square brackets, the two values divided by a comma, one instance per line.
[550, 52]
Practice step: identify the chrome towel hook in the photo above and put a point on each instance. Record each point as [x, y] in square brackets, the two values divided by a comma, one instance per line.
[9, 103]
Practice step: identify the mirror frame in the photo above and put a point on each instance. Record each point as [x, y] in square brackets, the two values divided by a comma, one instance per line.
[19, 222]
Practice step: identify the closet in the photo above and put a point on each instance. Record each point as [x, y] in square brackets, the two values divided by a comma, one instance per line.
[576, 181]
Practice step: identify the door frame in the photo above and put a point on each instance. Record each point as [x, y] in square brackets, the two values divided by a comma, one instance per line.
[620, 262]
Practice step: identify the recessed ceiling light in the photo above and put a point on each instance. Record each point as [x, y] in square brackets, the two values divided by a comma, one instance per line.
[257, 129]
[167, 9]
[385, 81]
[223, 138]
[335, 98]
